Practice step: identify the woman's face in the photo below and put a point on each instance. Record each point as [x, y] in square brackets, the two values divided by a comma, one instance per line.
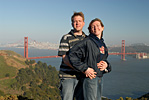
[97, 29]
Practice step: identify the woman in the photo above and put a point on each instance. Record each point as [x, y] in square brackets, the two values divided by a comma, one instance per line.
[90, 57]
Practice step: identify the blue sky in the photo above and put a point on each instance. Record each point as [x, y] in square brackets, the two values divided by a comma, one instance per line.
[48, 20]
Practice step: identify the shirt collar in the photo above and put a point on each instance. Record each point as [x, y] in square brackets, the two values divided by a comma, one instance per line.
[72, 32]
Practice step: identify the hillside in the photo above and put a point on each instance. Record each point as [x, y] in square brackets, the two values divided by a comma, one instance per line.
[10, 63]
[12, 59]
[26, 79]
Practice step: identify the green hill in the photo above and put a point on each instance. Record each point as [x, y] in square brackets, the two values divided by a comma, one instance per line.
[27, 79]
[10, 62]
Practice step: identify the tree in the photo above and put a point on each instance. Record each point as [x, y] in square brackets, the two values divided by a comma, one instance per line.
[23, 88]
[28, 94]
[27, 62]
[32, 61]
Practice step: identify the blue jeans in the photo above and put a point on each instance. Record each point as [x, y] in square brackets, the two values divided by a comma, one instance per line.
[92, 89]
[71, 88]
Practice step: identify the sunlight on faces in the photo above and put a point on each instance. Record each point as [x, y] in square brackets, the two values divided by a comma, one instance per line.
[97, 29]
[78, 23]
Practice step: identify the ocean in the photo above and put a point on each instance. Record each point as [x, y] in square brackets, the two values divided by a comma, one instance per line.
[128, 78]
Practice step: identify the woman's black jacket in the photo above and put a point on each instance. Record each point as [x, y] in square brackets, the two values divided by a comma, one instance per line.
[87, 53]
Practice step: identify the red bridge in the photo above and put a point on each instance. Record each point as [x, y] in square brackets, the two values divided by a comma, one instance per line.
[26, 51]
[122, 52]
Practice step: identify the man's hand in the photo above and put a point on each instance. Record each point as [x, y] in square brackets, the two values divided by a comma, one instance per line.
[66, 61]
[102, 65]
[90, 73]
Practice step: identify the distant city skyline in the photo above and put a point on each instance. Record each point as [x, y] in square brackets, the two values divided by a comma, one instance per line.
[48, 21]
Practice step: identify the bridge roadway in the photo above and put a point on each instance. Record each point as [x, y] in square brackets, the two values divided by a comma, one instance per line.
[123, 53]
[59, 56]
[43, 57]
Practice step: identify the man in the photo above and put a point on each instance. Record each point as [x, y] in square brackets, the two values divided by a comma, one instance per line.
[69, 82]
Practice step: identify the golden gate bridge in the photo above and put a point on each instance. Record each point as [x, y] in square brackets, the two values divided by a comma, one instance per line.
[123, 53]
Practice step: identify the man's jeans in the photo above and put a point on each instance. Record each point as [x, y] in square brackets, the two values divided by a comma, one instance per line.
[92, 89]
[71, 88]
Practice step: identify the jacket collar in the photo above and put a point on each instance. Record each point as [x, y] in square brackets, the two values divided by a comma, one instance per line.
[98, 42]
[72, 33]
[95, 37]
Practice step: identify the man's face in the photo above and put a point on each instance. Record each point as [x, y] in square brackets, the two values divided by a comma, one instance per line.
[78, 23]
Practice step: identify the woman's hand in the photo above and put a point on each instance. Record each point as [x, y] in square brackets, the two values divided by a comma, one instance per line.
[90, 73]
[102, 65]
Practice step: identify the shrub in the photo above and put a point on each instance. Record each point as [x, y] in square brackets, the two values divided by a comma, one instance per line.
[7, 75]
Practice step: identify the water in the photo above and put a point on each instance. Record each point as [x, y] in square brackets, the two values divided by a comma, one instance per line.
[127, 79]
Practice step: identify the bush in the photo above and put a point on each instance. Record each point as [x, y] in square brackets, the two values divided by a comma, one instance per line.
[23, 88]
[27, 62]
[32, 61]
[7, 75]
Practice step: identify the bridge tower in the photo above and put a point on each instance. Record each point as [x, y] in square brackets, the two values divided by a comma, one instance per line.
[26, 47]
[123, 50]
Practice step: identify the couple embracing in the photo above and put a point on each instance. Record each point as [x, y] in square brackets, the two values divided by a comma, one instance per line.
[84, 60]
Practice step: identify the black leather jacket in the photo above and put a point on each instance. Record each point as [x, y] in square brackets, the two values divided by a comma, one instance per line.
[88, 53]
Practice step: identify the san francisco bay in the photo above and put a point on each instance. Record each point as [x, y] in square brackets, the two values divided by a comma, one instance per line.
[127, 79]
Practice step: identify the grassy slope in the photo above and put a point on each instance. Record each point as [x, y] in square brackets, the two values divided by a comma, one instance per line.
[10, 62]
[5, 69]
